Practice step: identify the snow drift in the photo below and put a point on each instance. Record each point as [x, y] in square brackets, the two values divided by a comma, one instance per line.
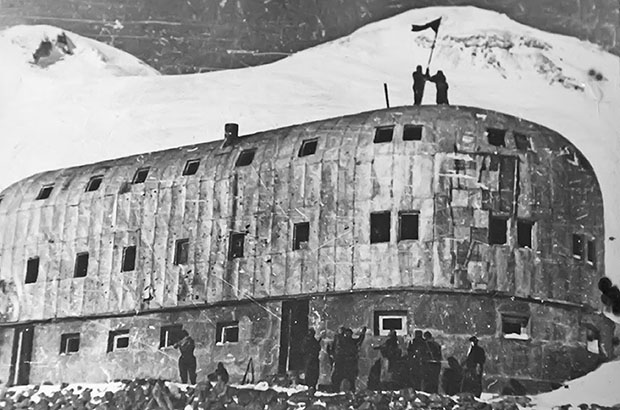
[72, 56]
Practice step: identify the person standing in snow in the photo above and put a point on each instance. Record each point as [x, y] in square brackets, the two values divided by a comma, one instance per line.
[452, 377]
[311, 349]
[187, 360]
[474, 363]
[419, 80]
[346, 354]
[417, 357]
[441, 84]
[430, 383]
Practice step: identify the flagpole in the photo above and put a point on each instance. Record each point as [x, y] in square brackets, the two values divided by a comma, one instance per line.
[432, 49]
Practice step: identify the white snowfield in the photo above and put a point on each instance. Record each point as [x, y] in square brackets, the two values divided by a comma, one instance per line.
[90, 60]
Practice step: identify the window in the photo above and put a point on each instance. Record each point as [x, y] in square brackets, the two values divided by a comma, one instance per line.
[169, 335]
[496, 136]
[191, 167]
[69, 343]
[81, 265]
[412, 133]
[245, 158]
[522, 141]
[45, 192]
[301, 232]
[129, 259]
[380, 227]
[118, 340]
[591, 256]
[578, 246]
[383, 134]
[593, 337]
[235, 249]
[140, 175]
[386, 320]
[32, 270]
[227, 332]
[308, 147]
[94, 183]
[524, 234]
[497, 230]
[408, 225]
[181, 251]
[514, 326]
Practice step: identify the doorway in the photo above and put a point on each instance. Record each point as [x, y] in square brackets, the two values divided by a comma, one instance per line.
[293, 330]
[22, 353]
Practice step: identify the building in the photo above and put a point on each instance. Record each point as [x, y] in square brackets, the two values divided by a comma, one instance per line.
[456, 220]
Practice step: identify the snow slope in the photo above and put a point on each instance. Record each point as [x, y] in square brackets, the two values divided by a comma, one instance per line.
[90, 59]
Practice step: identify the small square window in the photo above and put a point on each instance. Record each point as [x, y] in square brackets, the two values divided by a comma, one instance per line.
[245, 158]
[412, 132]
[32, 270]
[181, 251]
[94, 183]
[497, 230]
[496, 137]
[524, 233]
[514, 326]
[69, 343]
[235, 249]
[308, 147]
[591, 253]
[227, 332]
[408, 225]
[45, 192]
[388, 320]
[129, 259]
[81, 265]
[140, 176]
[522, 141]
[383, 134]
[380, 227]
[301, 232]
[169, 335]
[578, 246]
[118, 340]
[191, 167]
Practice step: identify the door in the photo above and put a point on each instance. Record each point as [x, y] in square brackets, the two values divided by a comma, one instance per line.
[22, 353]
[293, 330]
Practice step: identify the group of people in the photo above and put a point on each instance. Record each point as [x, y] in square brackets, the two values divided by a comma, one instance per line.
[418, 367]
[419, 81]
[187, 364]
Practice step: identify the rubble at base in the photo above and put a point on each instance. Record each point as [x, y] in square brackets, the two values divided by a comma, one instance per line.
[157, 394]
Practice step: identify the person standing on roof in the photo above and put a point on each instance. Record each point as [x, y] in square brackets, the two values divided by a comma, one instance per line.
[419, 81]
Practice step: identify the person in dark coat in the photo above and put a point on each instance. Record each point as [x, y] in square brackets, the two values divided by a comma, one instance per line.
[419, 81]
[187, 360]
[433, 364]
[311, 349]
[417, 356]
[346, 354]
[390, 350]
[374, 376]
[220, 373]
[452, 377]
[441, 85]
[474, 367]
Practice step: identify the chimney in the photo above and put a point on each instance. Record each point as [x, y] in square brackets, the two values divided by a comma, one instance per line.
[231, 133]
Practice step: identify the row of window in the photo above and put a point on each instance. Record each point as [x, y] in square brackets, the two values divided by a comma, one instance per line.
[245, 158]
[380, 231]
[226, 332]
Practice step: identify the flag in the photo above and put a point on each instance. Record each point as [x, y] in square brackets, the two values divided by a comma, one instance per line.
[433, 24]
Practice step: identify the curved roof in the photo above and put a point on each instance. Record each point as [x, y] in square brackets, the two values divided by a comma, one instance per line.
[451, 169]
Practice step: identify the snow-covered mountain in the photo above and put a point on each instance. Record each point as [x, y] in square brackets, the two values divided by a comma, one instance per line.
[490, 61]
[79, 58]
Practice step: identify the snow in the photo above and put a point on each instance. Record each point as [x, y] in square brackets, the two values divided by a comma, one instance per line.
[102, 103]
[90, 59]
